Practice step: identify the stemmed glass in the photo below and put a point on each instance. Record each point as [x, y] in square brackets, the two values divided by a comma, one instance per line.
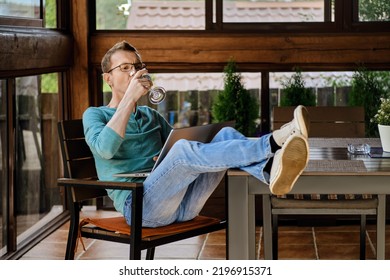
[156, 94]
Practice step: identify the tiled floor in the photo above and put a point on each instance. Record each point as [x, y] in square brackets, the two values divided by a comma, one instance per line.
[295, 242]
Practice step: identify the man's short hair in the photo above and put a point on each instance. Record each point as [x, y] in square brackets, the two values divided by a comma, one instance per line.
[124, 46]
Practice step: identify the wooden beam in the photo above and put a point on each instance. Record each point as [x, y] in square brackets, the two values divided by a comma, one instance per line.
[252, 52]
[32, 52]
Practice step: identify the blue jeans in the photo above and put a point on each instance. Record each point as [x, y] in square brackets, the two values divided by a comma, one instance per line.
[180, 186]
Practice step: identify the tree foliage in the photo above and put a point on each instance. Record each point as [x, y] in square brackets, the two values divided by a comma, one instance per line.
[367, 88]
[49, 83]
[50, 14]
[374, 10]
[108, 15]
[295, 93]
[236, 103]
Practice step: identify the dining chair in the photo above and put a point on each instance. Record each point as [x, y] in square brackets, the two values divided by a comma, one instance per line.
[81, 184]
[326, 122]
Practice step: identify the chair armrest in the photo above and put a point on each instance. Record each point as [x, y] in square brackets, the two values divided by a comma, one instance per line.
[83, 189]
[96, 184]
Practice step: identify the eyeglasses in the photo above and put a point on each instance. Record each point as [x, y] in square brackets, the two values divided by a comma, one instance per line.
[127, 67]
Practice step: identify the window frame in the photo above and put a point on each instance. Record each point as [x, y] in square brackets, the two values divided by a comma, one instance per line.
[63, 19]
[18, 21]
[24, 21]
[345, 20]
[364, 26]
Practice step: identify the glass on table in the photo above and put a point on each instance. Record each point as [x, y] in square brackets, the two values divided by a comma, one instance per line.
[359, 149]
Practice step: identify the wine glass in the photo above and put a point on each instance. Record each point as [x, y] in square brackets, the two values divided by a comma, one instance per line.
[156, 94]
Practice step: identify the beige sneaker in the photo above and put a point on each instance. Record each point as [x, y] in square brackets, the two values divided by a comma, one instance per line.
[288, 164]
[298, 126]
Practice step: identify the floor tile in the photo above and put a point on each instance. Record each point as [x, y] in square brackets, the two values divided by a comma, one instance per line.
[338, 252]
[295, 238]
[296, 252]
[337, 237]
[213, 252]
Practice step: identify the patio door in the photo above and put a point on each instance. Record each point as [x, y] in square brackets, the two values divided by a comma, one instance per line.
[30, 198]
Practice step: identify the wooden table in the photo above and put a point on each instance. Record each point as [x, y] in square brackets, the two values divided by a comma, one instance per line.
[242, 189]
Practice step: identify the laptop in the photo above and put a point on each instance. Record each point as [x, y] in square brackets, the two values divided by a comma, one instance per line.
[202, 133]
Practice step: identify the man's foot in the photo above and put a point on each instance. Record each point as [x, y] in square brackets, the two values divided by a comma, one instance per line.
[298, 126]
[288, 164]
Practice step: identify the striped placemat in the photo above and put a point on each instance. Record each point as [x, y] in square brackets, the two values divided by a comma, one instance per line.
[336, 166]
[342, 142]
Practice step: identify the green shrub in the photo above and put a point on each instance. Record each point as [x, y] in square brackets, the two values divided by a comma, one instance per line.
[236, 103]
[367, 89]
[295, 93]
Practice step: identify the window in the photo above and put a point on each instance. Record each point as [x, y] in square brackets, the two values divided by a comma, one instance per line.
[275, 11]
[32, 13]
[374, 10]
[329, 88]
[19, 8]
[37, 198]
[50, 13]
[191, 15]
[37, 195]
[190, 95]
[3, 168]
[150, 15]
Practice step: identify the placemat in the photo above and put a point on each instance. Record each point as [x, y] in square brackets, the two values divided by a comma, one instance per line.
[342, 142]
[336, 166]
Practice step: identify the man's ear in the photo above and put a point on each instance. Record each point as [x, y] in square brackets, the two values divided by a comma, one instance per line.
[107, 78]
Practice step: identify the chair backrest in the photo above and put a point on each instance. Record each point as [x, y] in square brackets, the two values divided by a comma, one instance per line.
[326, 121]
[77, 158]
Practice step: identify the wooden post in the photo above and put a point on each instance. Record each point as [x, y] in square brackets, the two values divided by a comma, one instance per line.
[79, 89]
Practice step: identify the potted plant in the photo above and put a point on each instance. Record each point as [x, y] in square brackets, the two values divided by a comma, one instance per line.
[382, 118]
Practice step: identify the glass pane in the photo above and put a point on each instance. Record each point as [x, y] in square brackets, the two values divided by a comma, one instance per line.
[37, 197]
[20, 8]
[374, 10]
[274, 11]
[3, 169]
[329, 88]
[190, 95]
[50, 13]
[150, 15]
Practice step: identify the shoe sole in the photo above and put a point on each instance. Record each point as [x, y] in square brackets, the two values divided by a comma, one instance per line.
[292, 163]
[301, 115]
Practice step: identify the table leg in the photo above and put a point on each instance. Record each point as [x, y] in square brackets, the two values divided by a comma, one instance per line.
[238, 218]
[381, 227]
[251, 227]
[267, 227]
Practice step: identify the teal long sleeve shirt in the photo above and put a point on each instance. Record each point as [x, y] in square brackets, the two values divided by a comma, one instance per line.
[146, 133]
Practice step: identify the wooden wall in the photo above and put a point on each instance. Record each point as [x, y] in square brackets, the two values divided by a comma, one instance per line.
[253, 52]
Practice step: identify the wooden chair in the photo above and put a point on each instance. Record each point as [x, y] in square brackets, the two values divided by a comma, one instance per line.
[81, 184]
[325, 122]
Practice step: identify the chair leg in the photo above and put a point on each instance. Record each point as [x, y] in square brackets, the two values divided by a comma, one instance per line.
[150, 253]
[363, 237]
[135, 253]
[73, 232]
[275, 236]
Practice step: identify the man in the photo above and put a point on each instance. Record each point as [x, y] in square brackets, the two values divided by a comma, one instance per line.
[125, 137]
